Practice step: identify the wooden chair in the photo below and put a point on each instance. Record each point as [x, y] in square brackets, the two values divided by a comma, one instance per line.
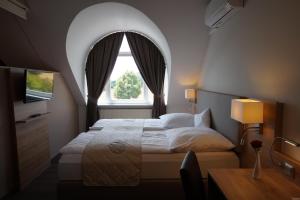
[191, 178]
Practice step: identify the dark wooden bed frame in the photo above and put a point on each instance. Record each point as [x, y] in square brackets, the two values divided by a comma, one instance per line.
[220, 106]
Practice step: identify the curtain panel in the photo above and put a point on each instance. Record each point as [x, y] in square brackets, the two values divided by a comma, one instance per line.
[151, 65]
[99, 66]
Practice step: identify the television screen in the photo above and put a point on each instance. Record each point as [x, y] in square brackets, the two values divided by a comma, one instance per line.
[39, 85]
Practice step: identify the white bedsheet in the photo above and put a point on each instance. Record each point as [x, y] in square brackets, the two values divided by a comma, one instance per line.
[148, 124]
[153, 124]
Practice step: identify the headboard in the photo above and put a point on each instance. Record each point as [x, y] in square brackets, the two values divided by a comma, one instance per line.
[220, 107]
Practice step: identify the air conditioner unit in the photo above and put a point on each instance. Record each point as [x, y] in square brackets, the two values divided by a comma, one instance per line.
[219, 11]
[15, 7]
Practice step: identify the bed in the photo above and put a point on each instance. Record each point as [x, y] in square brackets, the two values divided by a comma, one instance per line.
[159, 176]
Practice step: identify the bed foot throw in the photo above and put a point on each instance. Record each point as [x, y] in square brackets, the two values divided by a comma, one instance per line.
[113, 157]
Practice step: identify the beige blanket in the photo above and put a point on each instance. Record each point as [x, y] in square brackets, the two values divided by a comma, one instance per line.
[113, 157]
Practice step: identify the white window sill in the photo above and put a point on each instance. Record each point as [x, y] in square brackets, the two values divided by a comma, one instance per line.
[125, 106]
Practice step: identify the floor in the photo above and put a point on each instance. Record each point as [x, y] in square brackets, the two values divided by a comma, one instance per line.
[42, 188]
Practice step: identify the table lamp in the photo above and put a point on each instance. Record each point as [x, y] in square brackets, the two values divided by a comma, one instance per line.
[247, 111]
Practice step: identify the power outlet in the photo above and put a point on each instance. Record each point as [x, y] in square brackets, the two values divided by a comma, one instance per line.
[288, 169]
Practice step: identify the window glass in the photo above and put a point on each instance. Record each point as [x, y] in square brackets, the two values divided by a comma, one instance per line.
[125, 81]
[125, 46]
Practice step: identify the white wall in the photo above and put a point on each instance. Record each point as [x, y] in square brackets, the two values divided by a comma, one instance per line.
[256, 54]
[63, 120]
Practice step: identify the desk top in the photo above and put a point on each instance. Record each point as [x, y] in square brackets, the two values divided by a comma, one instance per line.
[239, 184]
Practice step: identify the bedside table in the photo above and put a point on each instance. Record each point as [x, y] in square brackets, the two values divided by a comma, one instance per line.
[238, 184]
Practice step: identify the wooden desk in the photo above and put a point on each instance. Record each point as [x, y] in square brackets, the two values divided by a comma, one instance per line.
[237, 184]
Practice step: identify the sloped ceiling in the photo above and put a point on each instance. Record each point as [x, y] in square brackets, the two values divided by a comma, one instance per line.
[40, 42]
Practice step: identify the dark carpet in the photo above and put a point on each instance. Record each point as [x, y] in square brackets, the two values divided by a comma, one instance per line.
[42, 188]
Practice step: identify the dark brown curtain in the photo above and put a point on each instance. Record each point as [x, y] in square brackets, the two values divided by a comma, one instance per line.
[100, 63]
[152, 67]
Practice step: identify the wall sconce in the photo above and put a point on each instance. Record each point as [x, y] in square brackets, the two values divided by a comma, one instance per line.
[287, 141]
[247, 111]
[191, 96]
[290, 142]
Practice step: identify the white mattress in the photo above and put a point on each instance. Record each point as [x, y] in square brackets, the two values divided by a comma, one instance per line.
[155, 166]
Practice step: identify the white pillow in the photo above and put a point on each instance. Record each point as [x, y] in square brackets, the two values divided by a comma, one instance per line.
[176, 120]
[202, 119]
[198, 140]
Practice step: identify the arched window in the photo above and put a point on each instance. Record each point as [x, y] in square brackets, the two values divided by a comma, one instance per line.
[125, 65]
[85, 26]
[125, 86]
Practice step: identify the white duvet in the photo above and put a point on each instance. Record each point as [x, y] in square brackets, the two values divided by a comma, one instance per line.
[165, 141]
[77, 145]
[152, 142]
[148, 124]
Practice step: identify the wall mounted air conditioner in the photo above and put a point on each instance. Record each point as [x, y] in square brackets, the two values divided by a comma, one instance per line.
[219, 11]
[15, 7]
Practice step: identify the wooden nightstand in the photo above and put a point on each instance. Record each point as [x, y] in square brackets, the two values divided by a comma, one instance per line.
[237, 184]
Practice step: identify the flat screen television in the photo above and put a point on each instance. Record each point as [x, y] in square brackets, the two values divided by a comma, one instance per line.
[38, 85]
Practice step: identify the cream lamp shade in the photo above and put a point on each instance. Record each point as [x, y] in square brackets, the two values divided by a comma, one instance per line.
[190, 94]
[247, 111]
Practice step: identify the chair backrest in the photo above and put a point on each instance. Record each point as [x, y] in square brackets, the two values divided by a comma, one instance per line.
[191, 178]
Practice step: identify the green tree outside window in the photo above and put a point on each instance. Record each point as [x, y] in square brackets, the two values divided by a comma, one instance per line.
[128, 86]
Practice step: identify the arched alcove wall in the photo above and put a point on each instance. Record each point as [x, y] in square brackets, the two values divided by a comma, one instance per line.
[97, 21]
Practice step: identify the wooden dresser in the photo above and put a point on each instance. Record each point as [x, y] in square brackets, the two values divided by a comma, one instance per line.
[32, 142]
[31, 132]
